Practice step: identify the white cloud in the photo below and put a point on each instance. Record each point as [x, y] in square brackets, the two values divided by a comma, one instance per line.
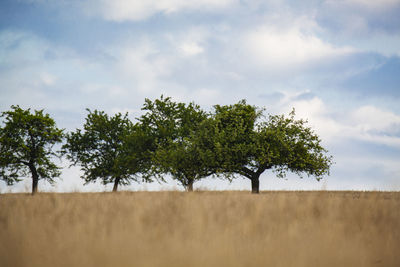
[30, 66]
[142, 63]
[18, 47]
[122, 10]
[366, 123]
[368, 25]
[316, 113]
[189, 42]
[370, 118]
[380, 42]
[40, 74]
[47, 78]
[191, 48]
[370, 4]
[206, 96]
[277, 48]
[376, 125]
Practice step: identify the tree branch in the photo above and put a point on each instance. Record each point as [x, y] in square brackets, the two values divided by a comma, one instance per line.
[246, 172]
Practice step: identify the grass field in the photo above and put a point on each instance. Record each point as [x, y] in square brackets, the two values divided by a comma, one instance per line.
[200, 229]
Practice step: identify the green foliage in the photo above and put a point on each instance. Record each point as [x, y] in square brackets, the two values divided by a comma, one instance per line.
[170, 138]
[176, 152]
[108, 148]
[245, 145]
[234, 135]
[26, 146]
[292, 146]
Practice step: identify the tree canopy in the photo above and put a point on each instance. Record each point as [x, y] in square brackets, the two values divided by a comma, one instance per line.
[173, 138]
[111, 149]
[26, 146]
[245, 144]
[175, 126]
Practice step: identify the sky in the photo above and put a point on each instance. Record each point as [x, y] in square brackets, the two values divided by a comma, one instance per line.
[337, 62]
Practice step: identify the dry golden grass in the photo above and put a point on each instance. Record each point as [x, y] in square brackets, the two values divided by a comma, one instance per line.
[200, 229]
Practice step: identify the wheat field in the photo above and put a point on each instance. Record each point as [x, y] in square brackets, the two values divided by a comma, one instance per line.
[200, 229]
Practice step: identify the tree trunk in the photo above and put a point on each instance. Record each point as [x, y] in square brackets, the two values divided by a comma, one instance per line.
[35, 179]
[255, 184]
[116, 182]
[189, 186]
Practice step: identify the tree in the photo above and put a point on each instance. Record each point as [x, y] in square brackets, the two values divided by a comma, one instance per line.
[176, 152]
[244, 145]
[111, 149]
[26, 146]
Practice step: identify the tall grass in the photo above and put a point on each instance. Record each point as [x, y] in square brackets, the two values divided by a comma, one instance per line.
[200, 229]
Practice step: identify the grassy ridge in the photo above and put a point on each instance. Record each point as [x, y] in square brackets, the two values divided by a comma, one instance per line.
[200, 229]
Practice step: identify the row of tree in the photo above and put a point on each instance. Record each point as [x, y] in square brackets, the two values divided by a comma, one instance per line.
[173, 138]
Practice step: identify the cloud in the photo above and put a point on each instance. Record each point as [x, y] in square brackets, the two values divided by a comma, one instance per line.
[381, 79]
[38, 74]
[372, 119]
[206, 96]
[380, 127]
[57, 79]
[365, 123]
[30, 66]
[21, 48]
[142, 64]
[190, 41]
[47, 78]
[191, 48]
[376, 125]
[276, 48]
[359, 21]
[364, 141]
[316, 112]
[135, 10]
[370, 4]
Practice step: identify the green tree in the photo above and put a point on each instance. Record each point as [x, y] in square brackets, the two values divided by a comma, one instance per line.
[26, 146]
[176, 152]
[111, 149]
[245, 144]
